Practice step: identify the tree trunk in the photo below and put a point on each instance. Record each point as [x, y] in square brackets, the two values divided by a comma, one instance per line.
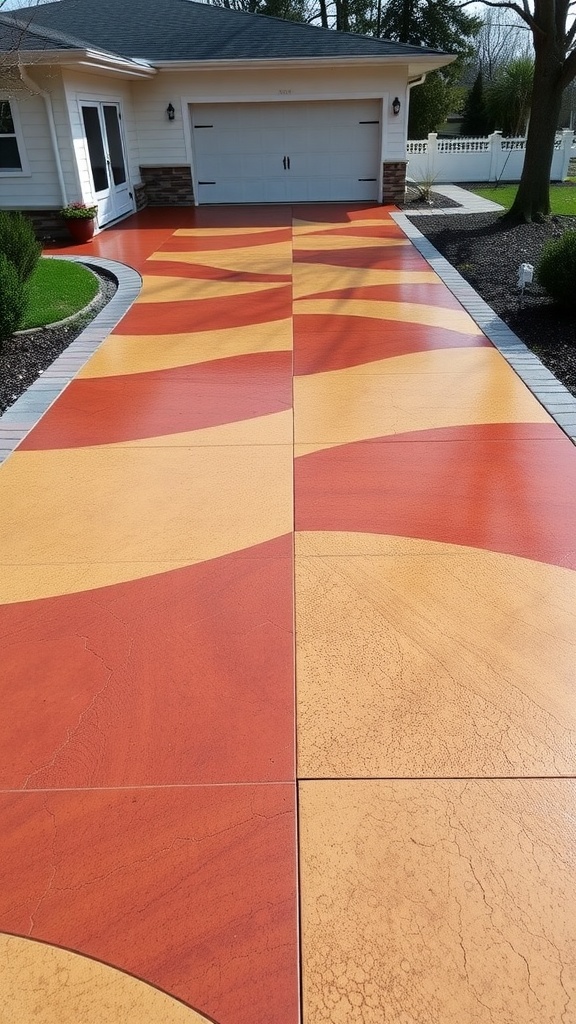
[323, 14]
[532, 200]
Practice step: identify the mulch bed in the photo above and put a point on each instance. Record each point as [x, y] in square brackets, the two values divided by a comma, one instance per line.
[488, 253]
[24, 357]
[414, 200]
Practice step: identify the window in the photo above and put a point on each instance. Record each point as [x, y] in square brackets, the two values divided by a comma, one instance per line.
[10, 159]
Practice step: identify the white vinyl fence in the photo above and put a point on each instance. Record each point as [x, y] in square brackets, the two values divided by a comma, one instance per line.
[488, 159]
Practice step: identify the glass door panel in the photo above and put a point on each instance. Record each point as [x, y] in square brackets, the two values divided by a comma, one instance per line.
[95, 148]
[114, 144]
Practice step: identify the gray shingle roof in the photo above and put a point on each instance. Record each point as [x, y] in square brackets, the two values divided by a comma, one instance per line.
[15, 37]
[163, 30]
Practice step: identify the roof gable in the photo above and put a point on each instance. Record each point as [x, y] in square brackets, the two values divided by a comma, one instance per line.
[182, 30]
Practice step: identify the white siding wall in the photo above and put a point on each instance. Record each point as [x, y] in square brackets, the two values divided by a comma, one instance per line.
[153, 140]
[80, 87]
[164, 142]
[39, 189]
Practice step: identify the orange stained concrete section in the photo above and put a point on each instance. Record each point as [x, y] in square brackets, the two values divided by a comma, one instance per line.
[295, 534]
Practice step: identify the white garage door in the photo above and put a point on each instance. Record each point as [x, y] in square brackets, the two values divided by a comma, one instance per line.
[287, 152]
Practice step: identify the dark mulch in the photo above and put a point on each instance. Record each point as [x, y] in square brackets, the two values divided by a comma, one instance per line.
[25, 356]
[415, 201]
[488, 253]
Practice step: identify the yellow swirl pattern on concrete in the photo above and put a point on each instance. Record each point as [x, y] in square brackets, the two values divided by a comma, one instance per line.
[277, 428]
[438, 901]
[219, 232]
[187, 289]
[49, 985]
[332, 243]
[443, 387]
[316, 227]
[404, 312]
[312, 278]
[131, 507]
[260, 259]
[437, 656]
[122, 354]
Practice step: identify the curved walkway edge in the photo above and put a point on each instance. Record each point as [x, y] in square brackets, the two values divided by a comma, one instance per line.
[555, 398]
[31, 406]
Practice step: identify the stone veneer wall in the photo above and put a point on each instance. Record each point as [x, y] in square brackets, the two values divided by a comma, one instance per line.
[47, 224]
[393, 181]
[140, 196]
[168, 186]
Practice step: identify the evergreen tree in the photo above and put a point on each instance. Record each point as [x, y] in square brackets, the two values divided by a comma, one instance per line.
[475, 122]
[440, 24]
[430, 105]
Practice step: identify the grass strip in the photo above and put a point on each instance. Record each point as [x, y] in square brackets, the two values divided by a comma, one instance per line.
[562, 197]
[57, 290]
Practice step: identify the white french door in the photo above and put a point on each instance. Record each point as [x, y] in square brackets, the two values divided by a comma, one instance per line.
[107, 157]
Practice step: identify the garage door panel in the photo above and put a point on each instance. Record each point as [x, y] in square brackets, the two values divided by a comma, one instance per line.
[287, 151]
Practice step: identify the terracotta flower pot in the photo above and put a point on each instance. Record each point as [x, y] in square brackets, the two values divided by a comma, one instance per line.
[81, 229]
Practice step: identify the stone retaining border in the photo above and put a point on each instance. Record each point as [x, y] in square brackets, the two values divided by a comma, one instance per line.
[555, 398]
[24, 414]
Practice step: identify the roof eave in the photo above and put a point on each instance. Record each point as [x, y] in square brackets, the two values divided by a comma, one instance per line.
[241, 64]
[417, 63]
[93, 60]
[417, 67]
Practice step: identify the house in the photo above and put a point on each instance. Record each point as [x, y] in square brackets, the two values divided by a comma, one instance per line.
[134, 102]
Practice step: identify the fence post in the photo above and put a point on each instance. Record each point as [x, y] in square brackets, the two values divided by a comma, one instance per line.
[495, 141]
[567, 136]
[430, 168]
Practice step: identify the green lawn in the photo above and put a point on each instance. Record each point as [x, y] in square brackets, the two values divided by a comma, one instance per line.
[56, 290]
[562, 197]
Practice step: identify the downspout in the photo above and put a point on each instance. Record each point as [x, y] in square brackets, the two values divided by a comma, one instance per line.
[409, 87]
[34, 88]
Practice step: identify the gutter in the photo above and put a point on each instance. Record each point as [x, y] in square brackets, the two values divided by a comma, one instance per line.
[435, 60]
[417, 81]
[34, 88]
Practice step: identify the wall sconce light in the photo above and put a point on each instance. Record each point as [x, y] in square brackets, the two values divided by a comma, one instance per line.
[395, 106]
[170, 112]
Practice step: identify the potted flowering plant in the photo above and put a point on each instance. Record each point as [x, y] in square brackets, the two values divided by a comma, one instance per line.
[80, 221]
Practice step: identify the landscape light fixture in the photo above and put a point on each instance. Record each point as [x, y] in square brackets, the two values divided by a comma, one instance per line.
[525, 275]
[395, 106]
[170, 111]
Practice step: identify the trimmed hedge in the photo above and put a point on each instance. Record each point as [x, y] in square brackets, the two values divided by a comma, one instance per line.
[18, 242]
[556, 270]
[12, 298]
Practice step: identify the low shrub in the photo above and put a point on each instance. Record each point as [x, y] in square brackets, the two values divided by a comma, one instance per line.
[12, 298]
[556, 270]
[18, 242]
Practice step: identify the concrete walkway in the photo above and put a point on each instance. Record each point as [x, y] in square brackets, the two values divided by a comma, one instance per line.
[287, 615]
[468, 202]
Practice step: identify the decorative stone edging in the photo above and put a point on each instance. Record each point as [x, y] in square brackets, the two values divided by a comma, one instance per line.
[555, 398]
[24, 414]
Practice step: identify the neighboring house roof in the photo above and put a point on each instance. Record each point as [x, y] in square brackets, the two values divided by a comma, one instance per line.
[183, 30]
